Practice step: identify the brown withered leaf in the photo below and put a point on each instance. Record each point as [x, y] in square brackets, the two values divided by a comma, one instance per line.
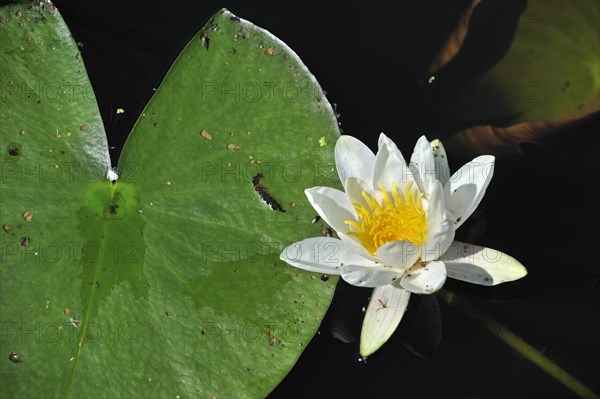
[455, 40]
[526, 75]
[508, 142]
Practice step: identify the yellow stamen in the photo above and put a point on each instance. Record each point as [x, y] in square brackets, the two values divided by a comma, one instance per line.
[398, 218]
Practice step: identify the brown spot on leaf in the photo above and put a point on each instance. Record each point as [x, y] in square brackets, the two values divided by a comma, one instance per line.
[206, 135]
[327, 232]
[27, 216]
[49, 8]
[84, 127]
[204, 41]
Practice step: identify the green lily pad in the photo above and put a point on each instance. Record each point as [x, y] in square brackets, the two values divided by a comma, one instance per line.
[546, 77]
[166, 283]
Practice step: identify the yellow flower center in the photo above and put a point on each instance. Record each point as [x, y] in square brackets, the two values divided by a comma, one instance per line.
[399, 218]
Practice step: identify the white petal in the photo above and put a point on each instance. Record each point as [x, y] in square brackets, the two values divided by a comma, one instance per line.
[439, 239]
[353, 158]
[355, 244]
[401, 255]
[354, 188]
[442, 170]
[422, 165]
[467, 187]
[424, 279]
[385, 310]
[332, 205]
[481, 265]
[440, 226]
[390, 168]
[436, 206]
[385, 141]
[369, 276]
[322, 255]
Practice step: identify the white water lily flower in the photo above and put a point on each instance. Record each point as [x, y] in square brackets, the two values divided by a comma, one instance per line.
[396, 222]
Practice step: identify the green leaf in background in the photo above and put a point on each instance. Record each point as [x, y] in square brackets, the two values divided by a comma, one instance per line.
[547, 80]
[167, 283]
